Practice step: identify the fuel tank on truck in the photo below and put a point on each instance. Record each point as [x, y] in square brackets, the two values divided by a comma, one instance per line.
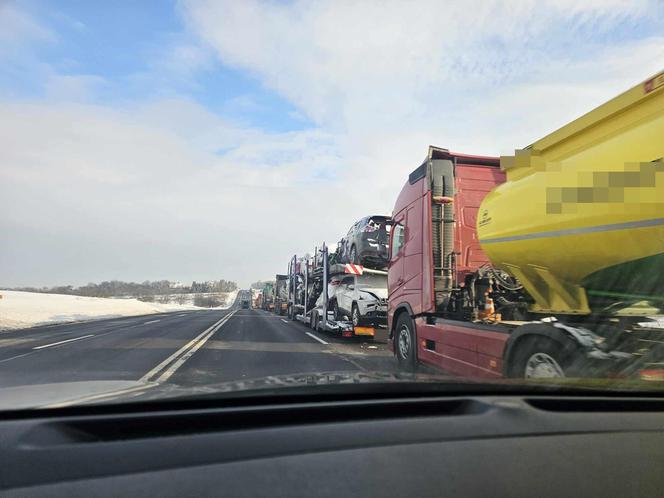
[580, 218]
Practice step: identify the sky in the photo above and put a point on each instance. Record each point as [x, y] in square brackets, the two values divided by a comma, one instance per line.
[199, 140]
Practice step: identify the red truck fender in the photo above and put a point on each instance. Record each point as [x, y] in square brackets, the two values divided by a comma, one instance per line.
[400, 308]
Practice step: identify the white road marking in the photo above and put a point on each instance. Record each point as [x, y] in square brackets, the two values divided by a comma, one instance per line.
[285, 321]
[62, 342]
[194, 345]
[313, 336]
[151, 321]
[183, 314]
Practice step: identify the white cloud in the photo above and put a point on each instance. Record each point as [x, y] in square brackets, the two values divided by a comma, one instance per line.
[18, 28]
[346, 63]
[95, 193]
[166, 189]
[388, 78]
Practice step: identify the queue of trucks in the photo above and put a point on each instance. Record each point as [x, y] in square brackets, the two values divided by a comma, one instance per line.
[548, 263]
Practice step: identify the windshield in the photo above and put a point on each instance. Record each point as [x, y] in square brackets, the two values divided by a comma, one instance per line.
[187, 190]
[378, 228]
[372, 281]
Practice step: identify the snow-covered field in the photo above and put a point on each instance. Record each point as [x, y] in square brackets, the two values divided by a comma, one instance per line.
[27, 309]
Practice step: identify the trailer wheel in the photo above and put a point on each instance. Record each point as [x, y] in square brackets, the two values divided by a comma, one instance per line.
[314, 318]
[540, 358]
[355, 315]
[335, 310]
[404, 343]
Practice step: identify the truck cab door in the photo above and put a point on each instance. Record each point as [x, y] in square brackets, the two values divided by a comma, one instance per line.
[395, 276]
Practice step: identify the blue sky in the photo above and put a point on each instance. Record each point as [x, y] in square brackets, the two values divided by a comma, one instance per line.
[207, 139]
[129, 48]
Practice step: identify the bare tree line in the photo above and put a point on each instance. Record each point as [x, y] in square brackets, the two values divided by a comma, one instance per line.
[163, 291]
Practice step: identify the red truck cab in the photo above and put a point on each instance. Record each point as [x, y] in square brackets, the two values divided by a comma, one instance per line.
[433, 245]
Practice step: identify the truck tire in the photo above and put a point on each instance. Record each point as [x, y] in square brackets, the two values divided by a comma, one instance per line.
[405, 346]
[538, 358]
[355, 315]
[335, 310]
[314, 318]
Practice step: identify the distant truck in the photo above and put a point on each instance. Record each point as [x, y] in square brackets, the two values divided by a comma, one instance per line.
[545, 264]
[258, 301]
[346, 299]
[281, 294]
[267, 302]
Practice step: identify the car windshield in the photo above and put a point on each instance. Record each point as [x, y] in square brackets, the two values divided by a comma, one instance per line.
[372, 281]
[211, 197]
[379, 227]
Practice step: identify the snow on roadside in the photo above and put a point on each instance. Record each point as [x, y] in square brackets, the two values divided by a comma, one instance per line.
[28, 309]
[230, 299]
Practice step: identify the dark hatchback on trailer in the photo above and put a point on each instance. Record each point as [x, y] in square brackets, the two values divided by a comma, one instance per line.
[367, 242]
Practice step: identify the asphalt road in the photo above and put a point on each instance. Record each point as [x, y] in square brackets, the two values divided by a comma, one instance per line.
[185, 348]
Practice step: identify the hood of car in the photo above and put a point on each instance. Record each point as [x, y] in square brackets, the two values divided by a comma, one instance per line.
[375, 292]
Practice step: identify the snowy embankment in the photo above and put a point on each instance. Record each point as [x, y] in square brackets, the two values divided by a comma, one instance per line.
[28, 309]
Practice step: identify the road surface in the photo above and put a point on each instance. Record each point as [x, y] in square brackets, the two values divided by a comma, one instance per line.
[186, 348]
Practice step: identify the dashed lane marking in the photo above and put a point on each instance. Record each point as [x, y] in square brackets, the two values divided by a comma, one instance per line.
[63, 342]
[314, 336]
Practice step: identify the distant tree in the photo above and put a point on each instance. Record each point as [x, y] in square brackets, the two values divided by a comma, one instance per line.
[164, 298]
[142, 291]
[206, 301]
[181, 299]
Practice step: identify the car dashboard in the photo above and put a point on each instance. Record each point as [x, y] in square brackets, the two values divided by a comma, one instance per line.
[370, 445]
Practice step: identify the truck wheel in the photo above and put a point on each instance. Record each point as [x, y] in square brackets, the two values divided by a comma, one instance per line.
[353, 256]
[404, 343]
[335, 311]
[540, 358]
[355, 315]
[314, 318]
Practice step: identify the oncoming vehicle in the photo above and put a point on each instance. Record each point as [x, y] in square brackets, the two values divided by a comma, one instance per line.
[367, 242]
[362, 298]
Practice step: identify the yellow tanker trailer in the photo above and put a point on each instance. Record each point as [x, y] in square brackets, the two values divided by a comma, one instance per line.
[580, 219]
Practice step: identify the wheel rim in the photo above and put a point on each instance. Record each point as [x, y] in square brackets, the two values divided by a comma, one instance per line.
[404, 342]
[353, 255]
[543, 366]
